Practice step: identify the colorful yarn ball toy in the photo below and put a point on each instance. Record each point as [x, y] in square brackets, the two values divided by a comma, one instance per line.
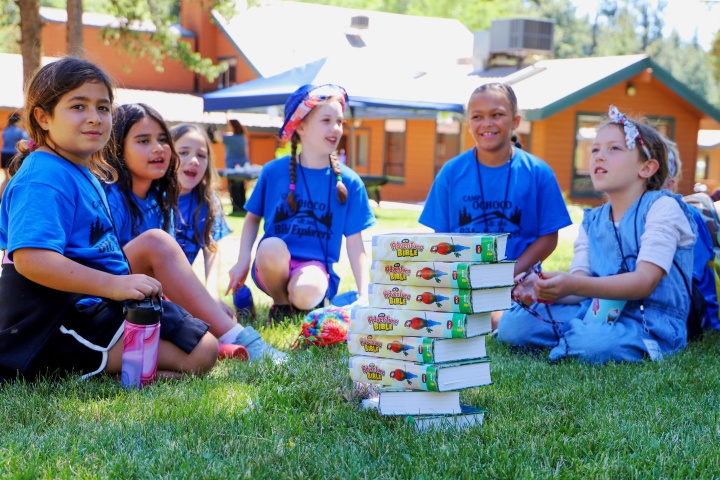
[323, 327]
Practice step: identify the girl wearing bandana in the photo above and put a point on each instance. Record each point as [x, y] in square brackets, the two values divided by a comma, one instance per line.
[637, 248]
[309, 201]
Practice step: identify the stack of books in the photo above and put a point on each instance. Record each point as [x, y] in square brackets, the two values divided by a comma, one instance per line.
[422, 337]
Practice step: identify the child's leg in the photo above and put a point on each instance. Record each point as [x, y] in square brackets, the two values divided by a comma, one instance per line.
[171, 359]
[157, 254]
[521, 328]
[272, 261]
[308, 284]
[600, 342]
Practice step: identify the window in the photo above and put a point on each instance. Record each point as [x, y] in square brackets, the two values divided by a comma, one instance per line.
[229, 77]
[448, 142]
[395, 150]
[362, 147]
[586, 125]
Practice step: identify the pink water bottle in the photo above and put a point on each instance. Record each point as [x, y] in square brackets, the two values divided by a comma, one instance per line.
[141, 340]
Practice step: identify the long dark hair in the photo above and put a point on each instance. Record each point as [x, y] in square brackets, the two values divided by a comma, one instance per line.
[167, 185]
[44, 90]
[206, 192]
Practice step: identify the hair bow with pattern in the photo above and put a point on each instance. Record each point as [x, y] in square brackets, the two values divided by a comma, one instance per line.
[632, 134]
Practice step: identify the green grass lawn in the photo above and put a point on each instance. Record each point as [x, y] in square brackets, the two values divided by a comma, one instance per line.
[569, 420]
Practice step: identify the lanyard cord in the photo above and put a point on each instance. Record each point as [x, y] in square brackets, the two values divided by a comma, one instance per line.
[325, 247]
[103, 201]
[624, 259]
[186, 220]
[482, 193]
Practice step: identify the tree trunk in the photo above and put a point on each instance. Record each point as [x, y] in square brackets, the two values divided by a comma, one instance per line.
[75, 28]
[30, 39]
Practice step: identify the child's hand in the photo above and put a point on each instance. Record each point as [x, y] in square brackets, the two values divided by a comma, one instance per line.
[553, 285]
[238, 274]
[136, 287]
[523, 290]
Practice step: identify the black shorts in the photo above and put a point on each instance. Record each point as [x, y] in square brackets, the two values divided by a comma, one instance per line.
[5, 159]
[45, 331]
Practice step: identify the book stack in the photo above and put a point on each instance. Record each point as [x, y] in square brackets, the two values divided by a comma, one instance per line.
[422, 337]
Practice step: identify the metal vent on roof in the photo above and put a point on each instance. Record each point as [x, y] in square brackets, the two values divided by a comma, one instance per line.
[355, 40]
[360, 21]
[521, 36]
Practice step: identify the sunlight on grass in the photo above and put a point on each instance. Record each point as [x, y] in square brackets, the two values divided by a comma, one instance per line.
[300, 420]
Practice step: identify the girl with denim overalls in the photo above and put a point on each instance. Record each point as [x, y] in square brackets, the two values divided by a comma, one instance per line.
[636, 248]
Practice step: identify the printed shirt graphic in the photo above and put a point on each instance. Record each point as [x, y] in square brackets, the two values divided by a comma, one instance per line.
[533, 206]
[185, 227]
[50, 204]
[151, 216]
[315, 232]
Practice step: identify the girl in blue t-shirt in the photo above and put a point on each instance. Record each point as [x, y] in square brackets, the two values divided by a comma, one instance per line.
[200, 224]
[64, 277]
[309, 201]
[146, 197]
[146, 193]
[497, 187]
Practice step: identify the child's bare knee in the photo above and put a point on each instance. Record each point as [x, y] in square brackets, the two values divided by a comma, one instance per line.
[272, 250]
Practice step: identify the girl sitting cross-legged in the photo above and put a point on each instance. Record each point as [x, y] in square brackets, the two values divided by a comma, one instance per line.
[143, 201]
[64, 275]
[636, 249]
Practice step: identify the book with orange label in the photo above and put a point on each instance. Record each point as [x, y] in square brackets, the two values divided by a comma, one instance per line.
[422, 323]
[439, 377]
[439, 299]
[440, 247]
[417, 349]
[465, 275]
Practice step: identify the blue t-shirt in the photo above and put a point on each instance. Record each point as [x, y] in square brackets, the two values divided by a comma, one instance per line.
[56, 205]
[120, 209]
[188, 234]
[315, 232]
[521, 198]
[11, 135]
[235, 149]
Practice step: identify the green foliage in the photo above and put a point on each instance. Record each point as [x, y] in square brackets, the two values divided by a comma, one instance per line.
[164, 42]
[688, 63]
[715, 56]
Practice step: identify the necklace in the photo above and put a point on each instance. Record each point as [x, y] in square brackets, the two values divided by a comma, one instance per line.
[103, 202]
[188, 221]
[624, 258]
[482, 192]
[325, 247]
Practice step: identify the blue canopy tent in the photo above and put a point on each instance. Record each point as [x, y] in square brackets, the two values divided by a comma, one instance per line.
[374, 91]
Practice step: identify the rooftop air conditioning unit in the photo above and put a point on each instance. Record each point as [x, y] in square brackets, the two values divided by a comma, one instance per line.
[360, 22]
[521, 37]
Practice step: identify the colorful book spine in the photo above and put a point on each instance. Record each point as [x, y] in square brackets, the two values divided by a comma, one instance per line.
[412, 349]
[403, 374]
[440, 274]
[383, 321]
[439, 299]
[440, 247]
